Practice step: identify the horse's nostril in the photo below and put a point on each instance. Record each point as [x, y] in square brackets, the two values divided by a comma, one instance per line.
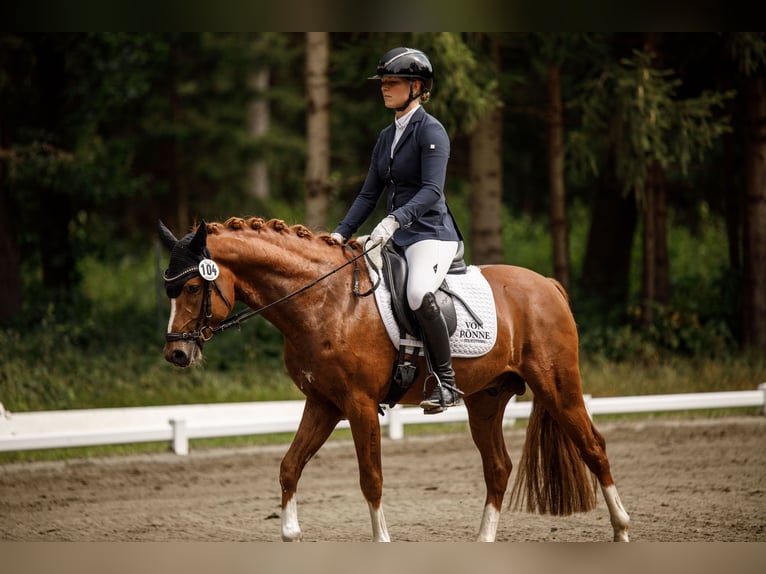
[179, 357]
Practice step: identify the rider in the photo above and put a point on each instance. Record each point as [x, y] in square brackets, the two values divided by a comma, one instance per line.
[409, 162]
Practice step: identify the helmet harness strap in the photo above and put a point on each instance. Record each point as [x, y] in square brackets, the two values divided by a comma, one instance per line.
[411, 97]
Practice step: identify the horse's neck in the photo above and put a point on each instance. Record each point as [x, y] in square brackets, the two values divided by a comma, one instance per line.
[270, 268]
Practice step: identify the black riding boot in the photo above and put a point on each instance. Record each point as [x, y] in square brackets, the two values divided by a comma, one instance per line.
[436, 338]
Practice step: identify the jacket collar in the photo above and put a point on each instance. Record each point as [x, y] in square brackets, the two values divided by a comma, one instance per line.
[417, 116]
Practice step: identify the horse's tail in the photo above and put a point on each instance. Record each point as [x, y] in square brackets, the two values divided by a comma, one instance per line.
[551, 477]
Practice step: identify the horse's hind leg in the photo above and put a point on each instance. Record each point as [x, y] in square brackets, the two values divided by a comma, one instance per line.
[318, 421]
[485, 415]
[617, 513]
[568, 409]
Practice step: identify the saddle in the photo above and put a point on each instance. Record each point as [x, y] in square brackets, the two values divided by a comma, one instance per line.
[394, 272]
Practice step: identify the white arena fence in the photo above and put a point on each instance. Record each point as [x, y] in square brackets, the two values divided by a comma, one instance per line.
[178, 424]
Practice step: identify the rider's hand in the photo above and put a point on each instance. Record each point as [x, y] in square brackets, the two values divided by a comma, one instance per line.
[338, 237]
[384, 230]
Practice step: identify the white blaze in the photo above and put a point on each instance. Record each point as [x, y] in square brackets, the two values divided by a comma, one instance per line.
[172, 314]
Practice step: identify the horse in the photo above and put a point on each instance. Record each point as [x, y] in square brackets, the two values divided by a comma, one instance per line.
[338, 353]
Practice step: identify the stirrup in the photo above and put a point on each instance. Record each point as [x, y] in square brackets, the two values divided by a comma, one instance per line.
[442, 397]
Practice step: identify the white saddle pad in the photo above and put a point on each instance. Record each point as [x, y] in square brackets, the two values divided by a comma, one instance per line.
[470, 339]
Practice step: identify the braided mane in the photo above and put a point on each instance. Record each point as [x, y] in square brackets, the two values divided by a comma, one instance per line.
[271, 225]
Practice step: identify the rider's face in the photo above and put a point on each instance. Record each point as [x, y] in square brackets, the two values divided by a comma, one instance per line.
[395, 91]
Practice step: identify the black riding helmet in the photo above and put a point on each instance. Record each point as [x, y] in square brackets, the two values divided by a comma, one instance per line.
[406, 63]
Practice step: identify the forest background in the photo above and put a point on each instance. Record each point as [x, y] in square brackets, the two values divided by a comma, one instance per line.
[630, 166]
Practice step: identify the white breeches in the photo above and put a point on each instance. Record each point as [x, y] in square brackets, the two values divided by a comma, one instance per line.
[428, 262]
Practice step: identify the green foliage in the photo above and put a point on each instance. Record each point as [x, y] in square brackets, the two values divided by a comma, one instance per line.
[699, 321]
[604, 377]
[54, 369]
[562, 49]
[673, 333]
[61, 144]
[527, 243]
[748, 50]
[634, 109]
[107, 350]
[465, 78]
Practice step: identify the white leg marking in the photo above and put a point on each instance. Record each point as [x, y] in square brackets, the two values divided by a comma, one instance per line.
[489, 521]
[172, 314]
[379, 528]
[617, 514]
[291, 530]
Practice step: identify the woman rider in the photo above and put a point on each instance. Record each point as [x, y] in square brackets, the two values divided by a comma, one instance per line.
[409, 162]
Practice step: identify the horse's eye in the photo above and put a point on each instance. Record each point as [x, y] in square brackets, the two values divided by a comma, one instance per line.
[193, 289]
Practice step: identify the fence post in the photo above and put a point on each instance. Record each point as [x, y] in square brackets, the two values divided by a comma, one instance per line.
[395, 424]
[180, 437]
[762, 388]
[508, 421]
[587, 399]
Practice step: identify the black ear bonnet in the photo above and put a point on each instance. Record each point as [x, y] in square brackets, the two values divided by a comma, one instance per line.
[184, 264]
[185, 256]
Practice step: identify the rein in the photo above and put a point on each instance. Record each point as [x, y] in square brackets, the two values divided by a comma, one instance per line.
[200, 335]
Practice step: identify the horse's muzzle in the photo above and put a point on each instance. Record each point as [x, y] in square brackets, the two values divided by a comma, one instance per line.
[181, 354]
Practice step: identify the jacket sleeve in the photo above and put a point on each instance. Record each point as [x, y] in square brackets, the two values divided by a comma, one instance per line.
[367, 199]
[434, 150]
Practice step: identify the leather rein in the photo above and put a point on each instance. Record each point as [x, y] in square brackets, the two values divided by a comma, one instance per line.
[204, 331]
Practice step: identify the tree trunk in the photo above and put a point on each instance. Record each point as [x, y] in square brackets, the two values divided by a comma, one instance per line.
[606, 268]
[649, 241]
[732, 200]
[258, 123]
[318, 130]
[487, 190]
[556, 178]
[655, 284]
[10, 259]
[59, 274]
[661, 260]
[179, 190]
[56, 250]
[754, 248]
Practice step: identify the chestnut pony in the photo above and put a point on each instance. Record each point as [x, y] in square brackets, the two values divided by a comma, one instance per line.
[338, 353]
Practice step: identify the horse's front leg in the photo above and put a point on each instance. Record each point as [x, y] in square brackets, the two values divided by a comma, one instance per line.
[317, 423]
[365, 429]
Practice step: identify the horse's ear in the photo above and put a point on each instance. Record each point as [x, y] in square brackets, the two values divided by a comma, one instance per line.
[166, 235]
[199, 242]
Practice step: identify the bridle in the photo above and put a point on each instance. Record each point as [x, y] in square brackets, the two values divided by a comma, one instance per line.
[204, 331]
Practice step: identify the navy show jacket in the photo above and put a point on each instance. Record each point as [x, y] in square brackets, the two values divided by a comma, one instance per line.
[414, 181]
